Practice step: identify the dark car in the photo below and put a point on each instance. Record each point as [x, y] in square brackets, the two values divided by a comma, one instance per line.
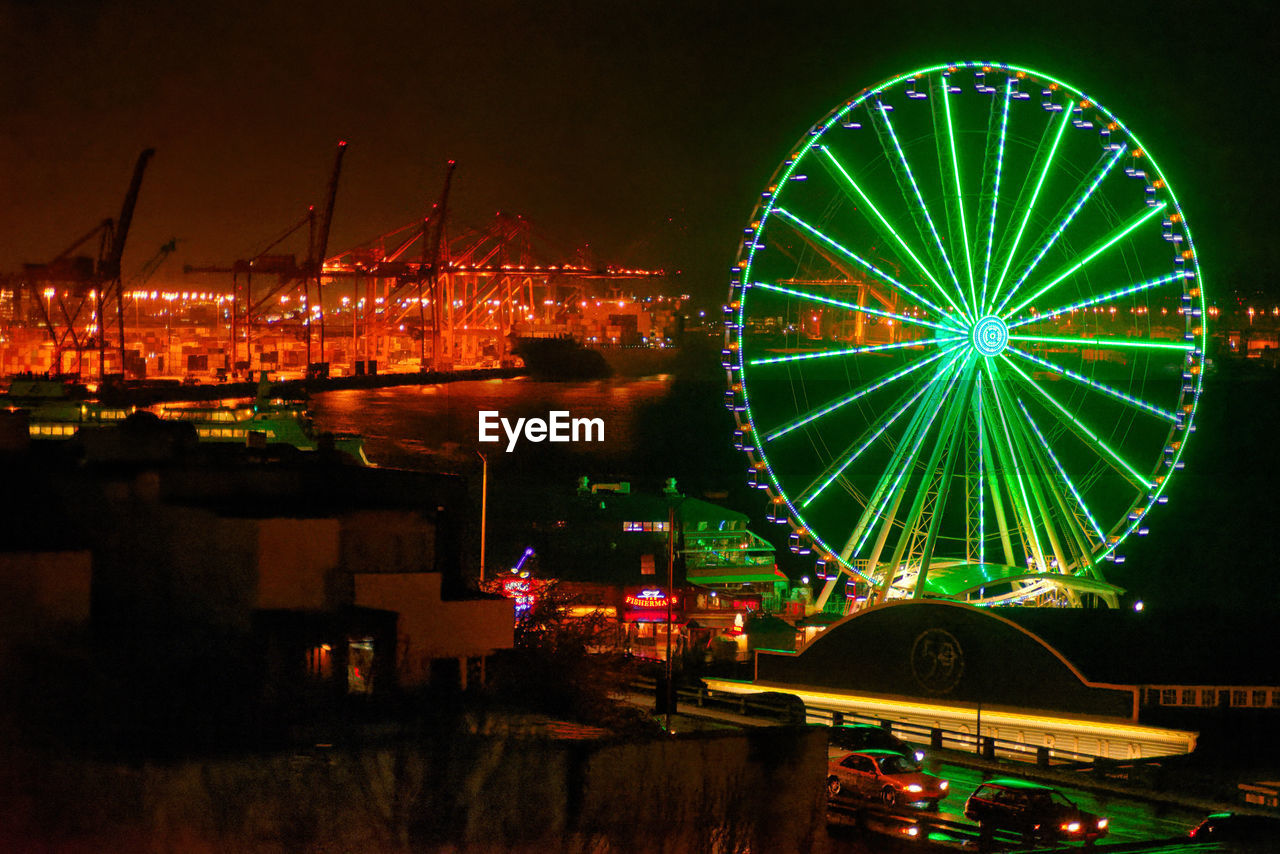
[778, 706]
[870, 737]
[883, 775]
[1256, 831]
[1034, 810]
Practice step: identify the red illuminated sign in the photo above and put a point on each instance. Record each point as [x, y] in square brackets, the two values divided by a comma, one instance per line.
[650, 598]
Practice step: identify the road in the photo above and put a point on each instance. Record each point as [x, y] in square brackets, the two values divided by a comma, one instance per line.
[1132, 821]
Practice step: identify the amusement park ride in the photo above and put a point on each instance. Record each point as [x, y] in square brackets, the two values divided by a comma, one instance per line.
[965, 339]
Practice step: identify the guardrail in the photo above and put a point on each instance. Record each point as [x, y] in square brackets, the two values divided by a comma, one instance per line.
[986, 746]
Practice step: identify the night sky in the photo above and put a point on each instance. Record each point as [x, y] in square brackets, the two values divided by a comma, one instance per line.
[644, 130]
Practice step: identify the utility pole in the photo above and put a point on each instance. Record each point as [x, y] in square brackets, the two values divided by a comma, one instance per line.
[671, 574]
[484, 507]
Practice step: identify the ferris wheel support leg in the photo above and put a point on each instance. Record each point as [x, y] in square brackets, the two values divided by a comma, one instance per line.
[946, 434]
[827, 590]
[1013, 476]
[939, 504]
[1002, 523]
[1077, 541]
[896, 464]
[882, 594]
[1023, 447]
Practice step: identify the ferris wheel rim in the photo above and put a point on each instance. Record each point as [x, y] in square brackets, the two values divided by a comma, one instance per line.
[1001, 323]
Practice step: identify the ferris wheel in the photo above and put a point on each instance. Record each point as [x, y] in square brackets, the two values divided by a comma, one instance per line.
[965, 339]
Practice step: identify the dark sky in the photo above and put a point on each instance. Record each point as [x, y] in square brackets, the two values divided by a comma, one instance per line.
[645, 129]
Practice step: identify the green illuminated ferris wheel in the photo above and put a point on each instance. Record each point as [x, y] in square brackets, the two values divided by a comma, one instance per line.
[965, 339]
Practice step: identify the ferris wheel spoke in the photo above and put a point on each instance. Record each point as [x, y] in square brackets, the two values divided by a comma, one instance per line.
[1031, 205]
[1090, 438]
[1108, 343]
[995, 191]
[955, 169]
[853, 351]
[838, 167]
[1041, 490]
[814, 415]
[1062, 473]
[1012, 462]
[1082, 263]
[1094, 385]
[852, 306]
[904, 459]
[1101, 298]
[938, 481]
[1062, 224]
[807, 229]
[884, 110]
[870, 435]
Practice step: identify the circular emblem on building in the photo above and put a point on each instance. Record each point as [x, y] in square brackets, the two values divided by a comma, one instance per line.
[937, 661]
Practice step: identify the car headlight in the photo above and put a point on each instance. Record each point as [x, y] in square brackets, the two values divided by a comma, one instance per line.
[915, 787]
[919, 755]
[1102, 824]
[945, 785]
[1072, 827]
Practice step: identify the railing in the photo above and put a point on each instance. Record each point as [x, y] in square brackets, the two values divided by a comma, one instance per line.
[986, 746]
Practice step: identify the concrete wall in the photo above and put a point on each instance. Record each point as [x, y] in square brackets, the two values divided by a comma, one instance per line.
[43, 590]
[295, 558]
[760, 790]
[430, 627]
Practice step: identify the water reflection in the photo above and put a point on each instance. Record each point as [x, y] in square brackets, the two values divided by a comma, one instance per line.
[436, 427]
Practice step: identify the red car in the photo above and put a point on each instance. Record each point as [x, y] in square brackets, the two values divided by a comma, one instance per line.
[883, 775]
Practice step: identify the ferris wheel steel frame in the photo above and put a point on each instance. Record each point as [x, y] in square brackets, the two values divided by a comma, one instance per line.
[998, 430]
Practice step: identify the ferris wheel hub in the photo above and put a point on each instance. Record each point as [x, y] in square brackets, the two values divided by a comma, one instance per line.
[990, 335]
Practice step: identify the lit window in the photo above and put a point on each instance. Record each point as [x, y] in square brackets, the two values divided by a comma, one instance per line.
[360, 665]
[1169, 697]
[320, 661]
